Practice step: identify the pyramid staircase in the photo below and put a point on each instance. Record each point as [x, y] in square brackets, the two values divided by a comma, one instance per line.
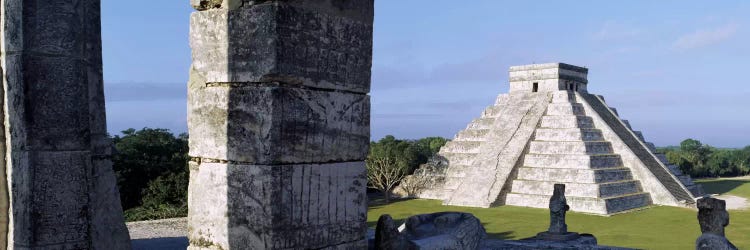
[462, 150]
[568, 149]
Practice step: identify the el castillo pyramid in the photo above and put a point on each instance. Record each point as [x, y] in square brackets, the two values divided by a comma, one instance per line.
[548, 129]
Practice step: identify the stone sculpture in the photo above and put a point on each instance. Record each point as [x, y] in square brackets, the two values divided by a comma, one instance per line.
[279, 123]
[549, 129]
[58, 187]
[713, 217]
[558, 206]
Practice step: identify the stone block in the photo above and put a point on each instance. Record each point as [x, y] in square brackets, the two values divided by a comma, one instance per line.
[108, 230]
[572, 161]
[60, 199]
[567, 134]
[574, 175]
[565, 109]
[567, 122]
[570, 147]
[276, 207]
[54, 27]
[55, 96]
[360, 10]
[284, 41]
[471, 147]
[277, 124]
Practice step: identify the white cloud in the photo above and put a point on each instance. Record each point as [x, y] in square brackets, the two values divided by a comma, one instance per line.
[705, 37]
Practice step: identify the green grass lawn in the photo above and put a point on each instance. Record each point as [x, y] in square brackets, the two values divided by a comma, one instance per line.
[652, 228]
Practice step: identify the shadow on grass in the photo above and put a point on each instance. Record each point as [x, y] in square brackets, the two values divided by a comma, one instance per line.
[375, 203]
[501, 235]
[721, 186]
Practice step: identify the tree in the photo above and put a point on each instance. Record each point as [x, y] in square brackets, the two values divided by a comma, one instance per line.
[383, 174]
[145, 155]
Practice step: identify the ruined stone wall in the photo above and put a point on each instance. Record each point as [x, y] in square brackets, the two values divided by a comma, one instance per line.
[279, 116]
[61, 186]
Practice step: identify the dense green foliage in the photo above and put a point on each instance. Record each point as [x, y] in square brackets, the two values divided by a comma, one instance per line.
[391, 159]
[652, 228]
[701, 160]
[152, 173]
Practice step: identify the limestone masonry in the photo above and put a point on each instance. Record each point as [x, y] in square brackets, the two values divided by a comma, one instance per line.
[550, 130]
[58, 187]
[279, 123]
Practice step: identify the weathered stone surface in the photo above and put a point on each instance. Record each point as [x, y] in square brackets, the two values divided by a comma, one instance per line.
[107, 229]
[387, 236]
[276, 207]
[62, 190]
[713, 218]
[293, 42]
[446, 230]
[57, 103]
[558, 206]
[277, 124]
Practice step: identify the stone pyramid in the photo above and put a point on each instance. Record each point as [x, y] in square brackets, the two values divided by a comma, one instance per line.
[549, 130]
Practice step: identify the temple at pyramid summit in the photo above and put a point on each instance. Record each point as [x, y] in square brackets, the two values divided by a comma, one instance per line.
[548, 129]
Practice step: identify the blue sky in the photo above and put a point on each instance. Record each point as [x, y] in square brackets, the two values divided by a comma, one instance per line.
[675, 69]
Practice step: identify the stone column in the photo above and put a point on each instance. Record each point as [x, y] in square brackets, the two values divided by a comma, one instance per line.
[278, 116]
[59, 190]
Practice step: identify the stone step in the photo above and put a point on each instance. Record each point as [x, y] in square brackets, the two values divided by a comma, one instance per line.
[570, 147]
[471, 135]
[572, 161]
[639, 134]
[592, 190]
[459, 158]
[459, 171]
[481, 123]
[565, 109]
[567, 121]
[675, 170]
[686, 180]
[461, 147]
[492, 112]
[627, 124]
[575, 175]
[662, 158]
[452, 182]
[502, 100]
[563, 97]
[568, 134]
[602, 206]
[651, 147]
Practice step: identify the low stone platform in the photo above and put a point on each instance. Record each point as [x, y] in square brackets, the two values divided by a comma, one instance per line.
[585, 242]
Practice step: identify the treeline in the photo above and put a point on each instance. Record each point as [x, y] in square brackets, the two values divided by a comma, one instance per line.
[701, 160]
[152, 168]
[152, 173]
